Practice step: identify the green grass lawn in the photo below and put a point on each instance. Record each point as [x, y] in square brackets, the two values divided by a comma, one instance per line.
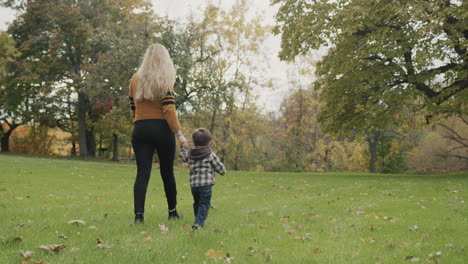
[257, 217]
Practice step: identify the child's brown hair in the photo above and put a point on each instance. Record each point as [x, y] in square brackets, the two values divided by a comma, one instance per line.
[201, 137]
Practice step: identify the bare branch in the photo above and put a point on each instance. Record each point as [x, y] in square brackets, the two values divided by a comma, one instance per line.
[452, 156]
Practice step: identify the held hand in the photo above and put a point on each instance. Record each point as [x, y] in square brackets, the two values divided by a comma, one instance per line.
[183, 141]
[185, 145]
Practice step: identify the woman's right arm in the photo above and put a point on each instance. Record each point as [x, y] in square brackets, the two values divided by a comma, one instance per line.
[170, 114]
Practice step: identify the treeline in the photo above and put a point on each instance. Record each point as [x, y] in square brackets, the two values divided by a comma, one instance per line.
[65, 66]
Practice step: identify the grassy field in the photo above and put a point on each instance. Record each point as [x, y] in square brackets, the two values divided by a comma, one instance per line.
[257, 217]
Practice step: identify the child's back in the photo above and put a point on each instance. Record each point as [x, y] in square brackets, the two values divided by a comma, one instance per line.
[203, 165]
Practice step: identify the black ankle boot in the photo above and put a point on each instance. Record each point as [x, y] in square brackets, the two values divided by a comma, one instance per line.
[175, 215]
[139, 218]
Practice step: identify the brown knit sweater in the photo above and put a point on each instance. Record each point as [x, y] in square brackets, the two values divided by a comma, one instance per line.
[157, 109]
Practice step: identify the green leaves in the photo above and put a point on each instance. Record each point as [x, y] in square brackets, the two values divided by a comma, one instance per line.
[384, 58]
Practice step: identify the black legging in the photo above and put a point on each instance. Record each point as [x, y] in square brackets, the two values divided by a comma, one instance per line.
[150, 135]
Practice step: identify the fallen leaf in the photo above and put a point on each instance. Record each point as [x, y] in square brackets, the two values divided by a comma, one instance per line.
[148, 239]
[14, 239]
[316, 251]
[77, 222]
[75, 250]
[253, 248]
[103, 246]
[228, 258]
[370, 240]
[359, 212]
[267, 251]
[414, 259]
[92, 228]
[53, 247]
[403, 244]
[333, 221]
[24, 262]
[26, 254]
[163, 229]
[214, 254]
[144, 233]
[414, 228]
[186, 226]
[111, 254]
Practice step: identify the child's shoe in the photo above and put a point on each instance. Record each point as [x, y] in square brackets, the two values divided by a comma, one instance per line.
[139, 218]
[196, 227]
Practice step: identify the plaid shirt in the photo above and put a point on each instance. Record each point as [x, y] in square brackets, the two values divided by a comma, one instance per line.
[202, 172]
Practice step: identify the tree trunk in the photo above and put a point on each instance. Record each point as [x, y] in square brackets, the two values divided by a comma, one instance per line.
[91, 142]
[101, 151]
[373, 138]
[213, 120]
[115, 148]
[5, 140]
[82, 137]
[73, 150]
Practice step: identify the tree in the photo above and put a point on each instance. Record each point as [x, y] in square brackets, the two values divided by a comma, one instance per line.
[384, 58]
[69, 42]
[8, 53]
[418, 46]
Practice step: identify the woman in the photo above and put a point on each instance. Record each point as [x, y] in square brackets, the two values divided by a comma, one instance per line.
[154, 114]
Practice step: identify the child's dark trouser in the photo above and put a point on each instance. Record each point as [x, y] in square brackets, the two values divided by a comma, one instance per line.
[150, 135]
[201, 203]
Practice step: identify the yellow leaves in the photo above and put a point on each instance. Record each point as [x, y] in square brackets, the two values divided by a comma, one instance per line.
[404, 244]
[316, 251]
[144, 233]
[75, 250]
[164, 229]
[101, 244]
[53, 247]
[26, 254]
[77, 222]
[214, 254]
[147, 240]
[387, 218]
[217, 255]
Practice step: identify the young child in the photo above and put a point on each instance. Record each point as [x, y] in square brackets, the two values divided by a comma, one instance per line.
[203, 165]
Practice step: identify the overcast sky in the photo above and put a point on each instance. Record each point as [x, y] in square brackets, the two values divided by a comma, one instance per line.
[178, 9]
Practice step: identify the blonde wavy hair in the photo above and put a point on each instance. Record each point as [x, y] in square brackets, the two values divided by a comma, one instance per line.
[156, 74]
